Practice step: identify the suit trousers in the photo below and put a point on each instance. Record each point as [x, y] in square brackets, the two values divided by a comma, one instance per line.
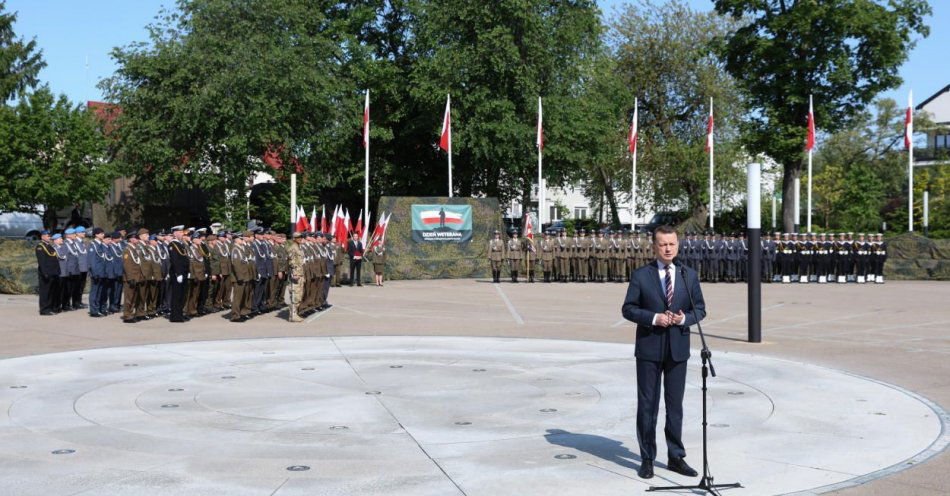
[95, 295]
[49, 293]
[115, 295]
[650, 374]
[356, 272]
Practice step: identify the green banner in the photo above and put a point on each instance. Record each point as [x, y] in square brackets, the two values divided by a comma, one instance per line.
[441, 223]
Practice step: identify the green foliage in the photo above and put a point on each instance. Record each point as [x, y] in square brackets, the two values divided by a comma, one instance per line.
[20, 62]
[665, 55]
[844, 52]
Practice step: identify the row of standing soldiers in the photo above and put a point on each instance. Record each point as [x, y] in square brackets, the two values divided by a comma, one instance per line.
[788, 257]
[181, 274]
[602, 257]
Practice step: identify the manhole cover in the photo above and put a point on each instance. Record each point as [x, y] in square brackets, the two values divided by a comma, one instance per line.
[880, 413]
[268, 352]
[170, 405]
[338, 427]
[736, 393]
[478, 370]
[308, 368]
[130, 365]
[463, 423]
[565, 457]
[395, 366]
[63, 452]
[374, 392]
[228, 377]
[571, 394]
[175, 390]
[17, 387]
[298, 468]
[547, 410]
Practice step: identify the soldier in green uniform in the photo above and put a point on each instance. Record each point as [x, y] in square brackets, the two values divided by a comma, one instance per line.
[339, 255]
[222, 249]
[563, 256]
[295, 266]
[599, 257]
[530, 256]
[548, 251]
[198, 276]
[155, 277]
[630, 248]
[214, 271]
[581, 257]
[496, 255]
[133, 279]
[279, 287]
[514, 255]
[377, 256]
[243, 273]
[618, 257]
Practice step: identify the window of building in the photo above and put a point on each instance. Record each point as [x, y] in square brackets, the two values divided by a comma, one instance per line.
[942, 141]
[555, 214]
[580, 212]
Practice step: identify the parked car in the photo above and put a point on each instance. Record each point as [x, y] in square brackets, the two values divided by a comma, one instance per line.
[662, 218]
[20, 225]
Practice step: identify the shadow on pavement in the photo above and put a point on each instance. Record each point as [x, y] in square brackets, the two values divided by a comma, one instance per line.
[599, 446]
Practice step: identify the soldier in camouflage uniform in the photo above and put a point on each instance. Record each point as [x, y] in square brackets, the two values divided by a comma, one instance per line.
[295, 265]
[279, 286]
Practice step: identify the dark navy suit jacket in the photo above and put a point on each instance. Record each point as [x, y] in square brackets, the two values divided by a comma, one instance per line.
[646, 297]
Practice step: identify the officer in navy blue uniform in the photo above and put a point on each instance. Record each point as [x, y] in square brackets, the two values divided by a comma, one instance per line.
[98, 256]
[657, 300]
[47, 269]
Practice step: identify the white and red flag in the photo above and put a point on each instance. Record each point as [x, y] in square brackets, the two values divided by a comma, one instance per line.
[302, 224]
[313, 219]
[709, 129]
[359, 225]
[347, 225]
[540, 137]
[379, 234]
[528, 227]
[810, 141]
[435, 217]
[366, 121]
[323, 218]
[445, 141]
[634, 132]
[909, 122]
[364, 233]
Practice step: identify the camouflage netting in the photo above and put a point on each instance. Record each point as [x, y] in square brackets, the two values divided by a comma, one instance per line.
[407, 259]
[910, 257]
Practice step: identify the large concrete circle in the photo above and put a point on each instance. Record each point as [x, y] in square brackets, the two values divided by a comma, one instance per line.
[427, 416]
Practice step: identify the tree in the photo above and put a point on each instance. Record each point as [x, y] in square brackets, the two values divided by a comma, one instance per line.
[665, 57]
[844, 52]
[225, 89]
[55, 158]
[496, 58]
[20, 61]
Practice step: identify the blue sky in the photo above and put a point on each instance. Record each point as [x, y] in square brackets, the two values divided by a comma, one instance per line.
[74, 33]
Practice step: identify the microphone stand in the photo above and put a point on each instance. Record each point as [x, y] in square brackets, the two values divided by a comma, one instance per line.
[706, 483]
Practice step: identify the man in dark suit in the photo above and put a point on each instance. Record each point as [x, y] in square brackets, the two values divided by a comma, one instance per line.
[658, 302]
[354, 249]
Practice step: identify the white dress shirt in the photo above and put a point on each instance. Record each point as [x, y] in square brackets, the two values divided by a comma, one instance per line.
[661, 268]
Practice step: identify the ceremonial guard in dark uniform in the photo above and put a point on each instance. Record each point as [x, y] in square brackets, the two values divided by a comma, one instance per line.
[263, 267]
[879, 257]
[79, 244]
[843, 260]
[47, 270]
[862, 257]
[114, 287]
[178, 272]
[98, 265]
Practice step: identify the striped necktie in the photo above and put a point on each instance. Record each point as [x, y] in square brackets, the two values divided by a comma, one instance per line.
[669, 287]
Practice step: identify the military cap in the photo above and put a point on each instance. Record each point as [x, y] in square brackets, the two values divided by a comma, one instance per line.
[130, 236]
[115, 235]
[583, 231]
[69, 231]
[153, 238]
[80, 229]
[44, 232]
[248, 234]
[143, 231]
[497, 232]
[57, 236]
[295, 235]
[97, 230]
[178, 228]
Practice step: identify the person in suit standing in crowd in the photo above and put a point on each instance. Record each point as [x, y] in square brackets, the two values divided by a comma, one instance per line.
[354, 250]
[658, 301]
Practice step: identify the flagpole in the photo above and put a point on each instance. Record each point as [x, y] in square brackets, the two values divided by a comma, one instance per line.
[633, 175]
[711, 211]
[366, 152]
[450, 145]
[910, 163]
[293, 202]
[540, 176]
[811, 115]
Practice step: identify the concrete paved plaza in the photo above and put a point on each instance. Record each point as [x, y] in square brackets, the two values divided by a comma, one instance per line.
[465, 387]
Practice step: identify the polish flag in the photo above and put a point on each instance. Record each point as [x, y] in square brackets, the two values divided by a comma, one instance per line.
[313, 220]
[323, 218]
[528, 227]
[709, 129]
[634, 131]
[364, 233]
[359, 225]
[301, 225]
[366, 121]
[445, 142]
[379, 234]
[909, 122]
[810, 143]
[540, 138]
[347, 224]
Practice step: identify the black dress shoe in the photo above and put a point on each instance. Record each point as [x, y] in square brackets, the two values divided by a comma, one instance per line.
[128, 321]
[96, 314]
[679, 466]
[47, 313]
[180, 321]
[646, 470]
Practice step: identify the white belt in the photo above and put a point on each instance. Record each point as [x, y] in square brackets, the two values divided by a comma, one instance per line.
[842, 253]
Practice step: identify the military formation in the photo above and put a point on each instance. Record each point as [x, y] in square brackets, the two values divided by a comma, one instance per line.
[610, 256]
[182, 274]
